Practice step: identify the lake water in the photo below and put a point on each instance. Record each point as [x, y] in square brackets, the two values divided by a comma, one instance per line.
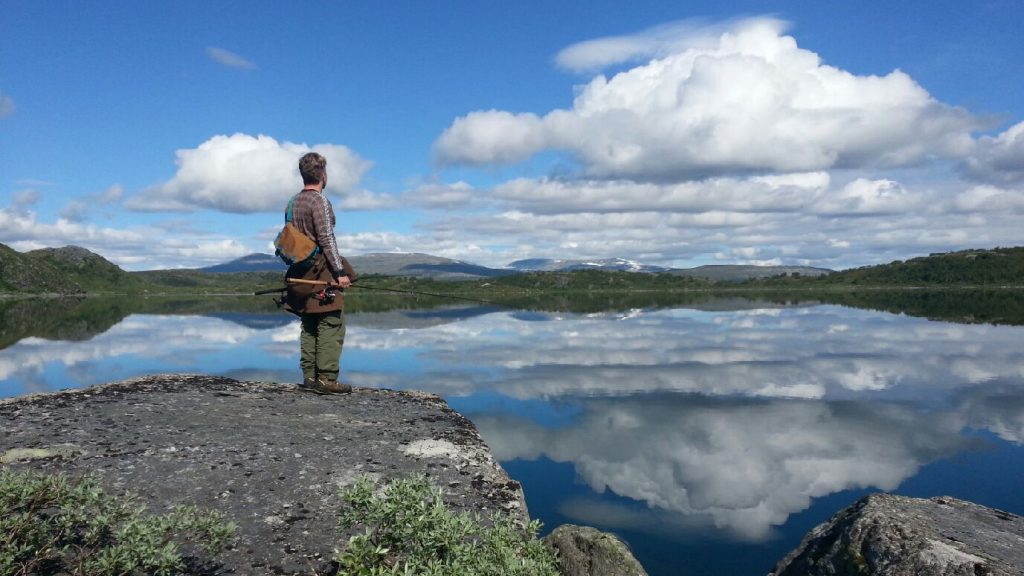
[711, 436]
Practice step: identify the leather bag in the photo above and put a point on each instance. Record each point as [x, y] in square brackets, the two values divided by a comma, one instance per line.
[291, 245]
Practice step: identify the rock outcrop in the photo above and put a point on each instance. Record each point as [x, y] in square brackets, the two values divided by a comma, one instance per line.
[270, 457]
[886, 535]
[586, 551]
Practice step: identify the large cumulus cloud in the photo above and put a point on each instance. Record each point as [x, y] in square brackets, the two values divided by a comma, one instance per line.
[729, 142]
[750, 100]
[246, 174]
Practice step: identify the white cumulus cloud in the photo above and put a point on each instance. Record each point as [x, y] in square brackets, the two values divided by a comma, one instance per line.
[991, 199]
[763, 194]
[246, 174]
[1000, 158]
[752, 100]
[492, 136]
[864, 196]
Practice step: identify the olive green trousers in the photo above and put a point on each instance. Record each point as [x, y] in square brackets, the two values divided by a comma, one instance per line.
[320, 344]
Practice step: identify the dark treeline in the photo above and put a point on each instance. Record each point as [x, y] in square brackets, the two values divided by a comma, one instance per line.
[996, 267]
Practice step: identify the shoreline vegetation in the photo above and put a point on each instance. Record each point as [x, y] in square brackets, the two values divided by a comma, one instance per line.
[76, 271]
[81, 292]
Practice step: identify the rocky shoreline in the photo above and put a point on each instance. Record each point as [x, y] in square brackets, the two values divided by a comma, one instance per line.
[270, 457]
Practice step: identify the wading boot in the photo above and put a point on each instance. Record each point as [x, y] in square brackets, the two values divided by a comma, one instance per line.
[308, 385]
[324, 386]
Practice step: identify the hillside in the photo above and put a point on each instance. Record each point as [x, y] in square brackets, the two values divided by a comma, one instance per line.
[74, 270]
[250, 263]
[999, 266]
[196, 282]
[24, 273]
[86, 269]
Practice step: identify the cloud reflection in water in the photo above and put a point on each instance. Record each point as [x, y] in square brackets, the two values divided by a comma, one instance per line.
[745, 464]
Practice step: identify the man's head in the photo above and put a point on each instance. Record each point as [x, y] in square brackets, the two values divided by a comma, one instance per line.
[313, 168]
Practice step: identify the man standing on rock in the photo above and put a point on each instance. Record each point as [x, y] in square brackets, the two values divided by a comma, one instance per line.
[320, 306]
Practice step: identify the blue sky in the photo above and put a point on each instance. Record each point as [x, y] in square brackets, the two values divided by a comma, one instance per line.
[837, 135]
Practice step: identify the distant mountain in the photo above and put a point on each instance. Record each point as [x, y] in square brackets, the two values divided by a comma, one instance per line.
[722, 273]
[427, 266]
[558, 265]
[737, 273]
[386, 264]
[422, 266]
[250, 263]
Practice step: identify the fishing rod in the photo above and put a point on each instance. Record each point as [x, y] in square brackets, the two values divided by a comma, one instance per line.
[380, 288]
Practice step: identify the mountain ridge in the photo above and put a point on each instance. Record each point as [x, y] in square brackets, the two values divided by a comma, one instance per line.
[422, 265]
[568, 265]
[74, 270]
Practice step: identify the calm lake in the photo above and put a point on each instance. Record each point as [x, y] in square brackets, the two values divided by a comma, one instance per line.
[711, 433]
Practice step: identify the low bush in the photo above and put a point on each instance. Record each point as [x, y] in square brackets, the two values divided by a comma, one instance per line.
[52, 524]
[408, 530]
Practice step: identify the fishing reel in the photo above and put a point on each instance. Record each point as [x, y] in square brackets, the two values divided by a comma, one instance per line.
[325, 296]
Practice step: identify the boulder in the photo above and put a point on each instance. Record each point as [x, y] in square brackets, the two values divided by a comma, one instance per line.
[887, 535]
[586, 551]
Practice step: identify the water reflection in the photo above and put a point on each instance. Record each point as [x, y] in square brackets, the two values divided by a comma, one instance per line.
[821, 352]
[738, 464]
[727, 416]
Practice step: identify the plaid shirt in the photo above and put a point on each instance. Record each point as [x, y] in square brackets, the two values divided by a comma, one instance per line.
[314, 216]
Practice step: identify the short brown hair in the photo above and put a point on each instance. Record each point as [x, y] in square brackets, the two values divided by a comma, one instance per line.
[312, 166]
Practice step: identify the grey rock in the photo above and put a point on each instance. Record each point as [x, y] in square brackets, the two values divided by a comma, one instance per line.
[586, 551]
[270, 457]
[886, 535]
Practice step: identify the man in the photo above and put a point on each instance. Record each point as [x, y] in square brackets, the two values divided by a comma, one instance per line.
[320, 306]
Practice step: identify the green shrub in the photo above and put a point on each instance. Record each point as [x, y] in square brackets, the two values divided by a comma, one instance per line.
[410, 531]
[50, 524]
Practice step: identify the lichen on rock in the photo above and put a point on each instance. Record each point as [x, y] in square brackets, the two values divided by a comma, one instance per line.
[888, 535]
[586, 551]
